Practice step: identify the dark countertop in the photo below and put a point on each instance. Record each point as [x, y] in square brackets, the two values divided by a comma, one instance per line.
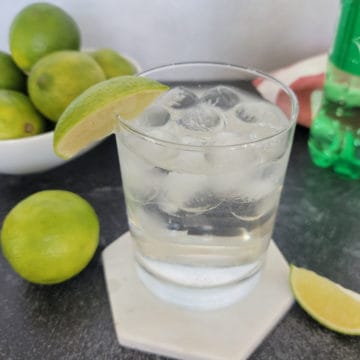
[317, 227]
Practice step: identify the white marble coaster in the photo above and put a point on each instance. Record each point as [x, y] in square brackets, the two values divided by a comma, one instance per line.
[143, 321]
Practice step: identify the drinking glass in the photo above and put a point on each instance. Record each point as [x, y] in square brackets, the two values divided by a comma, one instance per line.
[202, 171]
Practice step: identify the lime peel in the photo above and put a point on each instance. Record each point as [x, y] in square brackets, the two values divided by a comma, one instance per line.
[40, 29]
[332, 305]
[112, 63]
[50, 236]
[93, 115]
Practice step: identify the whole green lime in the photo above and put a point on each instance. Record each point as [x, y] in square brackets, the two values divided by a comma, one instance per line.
[58, 78]
[18, 116]
[11, 77]
[40, 29]
[112, 63]
[50, 236]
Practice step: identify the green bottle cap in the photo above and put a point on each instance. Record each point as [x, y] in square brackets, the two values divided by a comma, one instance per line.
[345, 53]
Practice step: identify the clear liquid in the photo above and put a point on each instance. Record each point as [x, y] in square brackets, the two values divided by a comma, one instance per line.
[203, 217]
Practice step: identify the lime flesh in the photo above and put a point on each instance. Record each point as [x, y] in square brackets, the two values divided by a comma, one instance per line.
[329, 303]
[94, 114]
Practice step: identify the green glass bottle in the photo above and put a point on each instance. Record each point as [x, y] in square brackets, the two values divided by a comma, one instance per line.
[335, 131]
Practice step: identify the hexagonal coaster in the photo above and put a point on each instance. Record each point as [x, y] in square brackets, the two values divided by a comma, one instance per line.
[145, 322]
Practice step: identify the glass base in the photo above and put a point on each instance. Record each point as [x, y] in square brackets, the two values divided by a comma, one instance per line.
[198, 288]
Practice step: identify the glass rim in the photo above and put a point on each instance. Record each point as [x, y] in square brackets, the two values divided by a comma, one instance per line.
[258, 73]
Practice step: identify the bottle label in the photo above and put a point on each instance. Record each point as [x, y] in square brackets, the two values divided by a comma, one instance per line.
[345, 53]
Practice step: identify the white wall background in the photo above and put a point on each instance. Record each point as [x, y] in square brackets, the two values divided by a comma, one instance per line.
[261, 33]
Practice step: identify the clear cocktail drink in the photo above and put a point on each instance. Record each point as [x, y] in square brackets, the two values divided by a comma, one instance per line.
[202, 170]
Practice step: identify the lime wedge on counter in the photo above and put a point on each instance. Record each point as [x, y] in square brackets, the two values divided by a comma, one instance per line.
[93, 114]
[329, 303]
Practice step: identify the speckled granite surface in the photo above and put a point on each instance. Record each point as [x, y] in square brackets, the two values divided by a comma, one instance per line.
[317, 226]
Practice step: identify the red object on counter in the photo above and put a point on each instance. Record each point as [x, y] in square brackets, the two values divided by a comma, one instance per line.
[303, 78]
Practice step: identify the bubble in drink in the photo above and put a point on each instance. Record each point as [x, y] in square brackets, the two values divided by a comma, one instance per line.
[155, 116]
[227, 138]
[180, 98]
[245, 112]
[275, 148]
[153, 151]
[247, 209]
[180, 190]
[221, 96]
[192, 162]
[261, 113]
[240, 157]
[201, 118]
[134, 171]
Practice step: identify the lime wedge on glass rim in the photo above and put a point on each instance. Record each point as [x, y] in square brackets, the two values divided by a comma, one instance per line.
[93, 115]
[332, 305]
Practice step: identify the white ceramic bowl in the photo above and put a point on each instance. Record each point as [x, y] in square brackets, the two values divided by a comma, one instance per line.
[28, 155]
[34, 153]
